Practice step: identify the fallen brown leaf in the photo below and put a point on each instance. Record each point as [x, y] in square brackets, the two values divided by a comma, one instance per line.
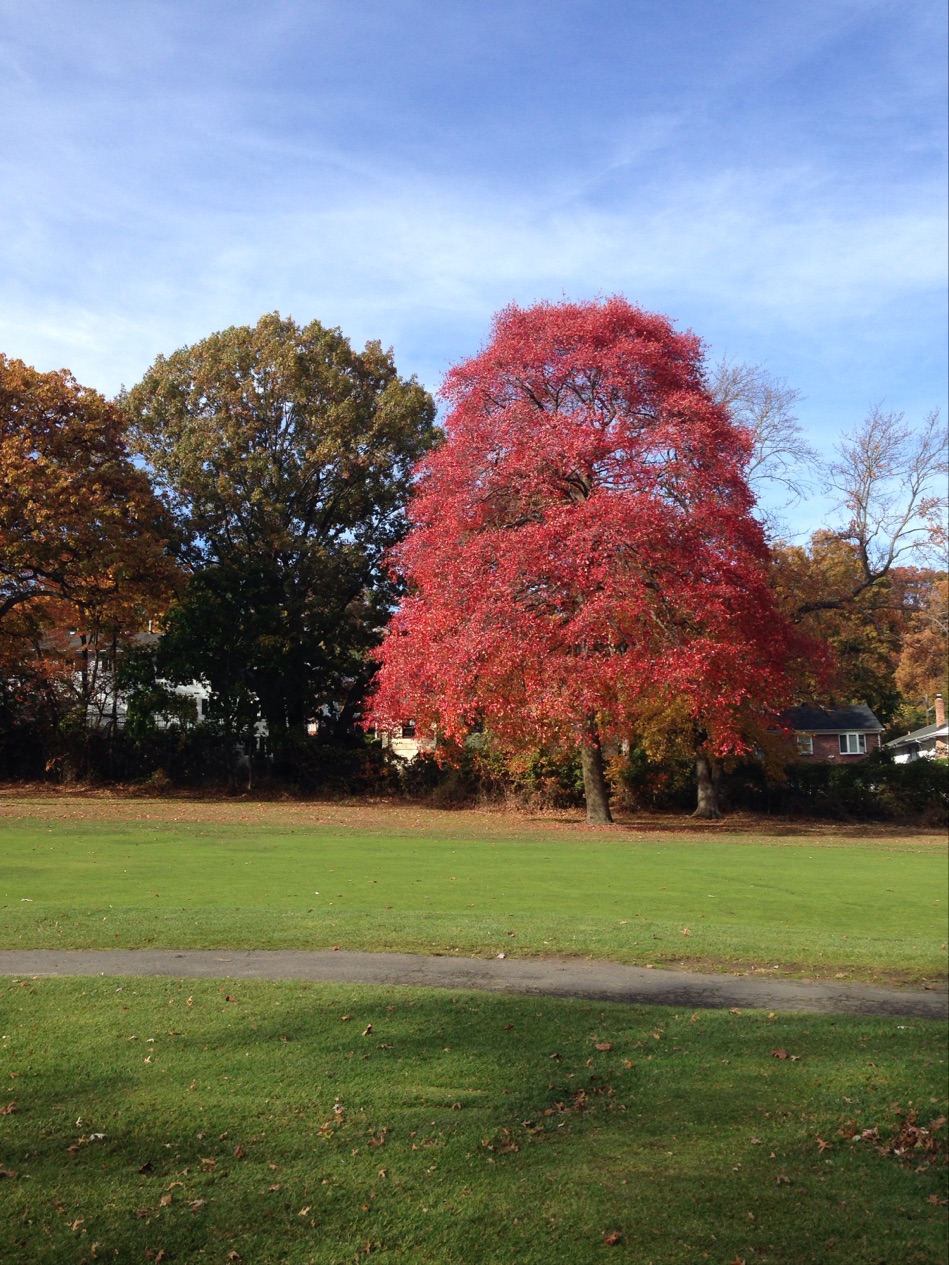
[8, 1110]
[612, 1238]
[7, 1172]
[196, 1205]
[779, 1054]
[603, 1046]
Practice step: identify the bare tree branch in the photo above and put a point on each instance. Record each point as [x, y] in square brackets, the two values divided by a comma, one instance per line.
[891, 481]
[765, 405]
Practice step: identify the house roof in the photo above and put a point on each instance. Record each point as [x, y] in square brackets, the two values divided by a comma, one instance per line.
[921, 735]
[832, 720]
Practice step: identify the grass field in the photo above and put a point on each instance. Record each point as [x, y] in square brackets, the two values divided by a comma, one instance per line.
[191, 1121]
[808, 901]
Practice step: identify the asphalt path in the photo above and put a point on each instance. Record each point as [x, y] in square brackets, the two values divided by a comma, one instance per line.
[551, 977]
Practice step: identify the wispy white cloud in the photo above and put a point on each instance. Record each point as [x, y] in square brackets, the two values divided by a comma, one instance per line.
[167, 177]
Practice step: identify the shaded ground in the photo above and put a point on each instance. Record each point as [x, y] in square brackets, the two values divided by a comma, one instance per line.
[557, 977]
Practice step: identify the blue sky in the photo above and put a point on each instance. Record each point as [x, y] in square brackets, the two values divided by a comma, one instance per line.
[770, 175]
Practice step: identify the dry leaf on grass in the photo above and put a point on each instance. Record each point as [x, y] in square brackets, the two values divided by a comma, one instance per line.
[612, 1238]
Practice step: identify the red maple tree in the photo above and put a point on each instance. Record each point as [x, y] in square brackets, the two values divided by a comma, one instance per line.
[582, 542]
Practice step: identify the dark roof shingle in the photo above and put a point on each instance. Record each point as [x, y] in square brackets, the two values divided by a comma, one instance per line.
[832, 720]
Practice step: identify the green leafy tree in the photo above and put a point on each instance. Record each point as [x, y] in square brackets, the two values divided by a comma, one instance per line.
[286, 457]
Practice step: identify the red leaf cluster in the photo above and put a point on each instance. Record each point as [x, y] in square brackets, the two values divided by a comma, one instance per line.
[582, 542]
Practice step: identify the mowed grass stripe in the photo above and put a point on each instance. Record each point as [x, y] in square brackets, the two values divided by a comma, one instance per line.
[856, 907]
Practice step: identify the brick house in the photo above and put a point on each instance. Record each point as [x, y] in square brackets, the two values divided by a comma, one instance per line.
[841, 735]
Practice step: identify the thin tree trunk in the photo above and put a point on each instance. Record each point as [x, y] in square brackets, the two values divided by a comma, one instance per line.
[706, 776]
[594, 781]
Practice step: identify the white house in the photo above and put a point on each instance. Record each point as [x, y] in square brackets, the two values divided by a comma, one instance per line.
[929, 743]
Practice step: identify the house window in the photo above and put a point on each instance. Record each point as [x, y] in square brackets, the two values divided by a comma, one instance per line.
[805, 744]
[853, 744]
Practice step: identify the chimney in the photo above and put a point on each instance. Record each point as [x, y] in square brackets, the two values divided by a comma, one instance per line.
[940, 706]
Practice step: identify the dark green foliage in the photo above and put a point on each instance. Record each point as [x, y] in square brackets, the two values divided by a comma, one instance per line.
[875, 789]
[644, 783]
[287, 457]
[335, 769]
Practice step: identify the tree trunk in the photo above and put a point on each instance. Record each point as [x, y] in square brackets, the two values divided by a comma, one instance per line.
[706, 776]
[594, 782]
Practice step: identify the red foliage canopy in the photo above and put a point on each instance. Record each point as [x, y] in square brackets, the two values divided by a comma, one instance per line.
[582, 541]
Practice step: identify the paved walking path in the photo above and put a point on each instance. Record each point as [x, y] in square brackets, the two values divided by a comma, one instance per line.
[555, 977]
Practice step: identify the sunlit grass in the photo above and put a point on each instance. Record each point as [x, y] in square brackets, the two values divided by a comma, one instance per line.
[132, 875]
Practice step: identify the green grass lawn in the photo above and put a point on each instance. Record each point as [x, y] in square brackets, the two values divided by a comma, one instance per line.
[106, 873]
[191, 1121]
[186, 1121]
